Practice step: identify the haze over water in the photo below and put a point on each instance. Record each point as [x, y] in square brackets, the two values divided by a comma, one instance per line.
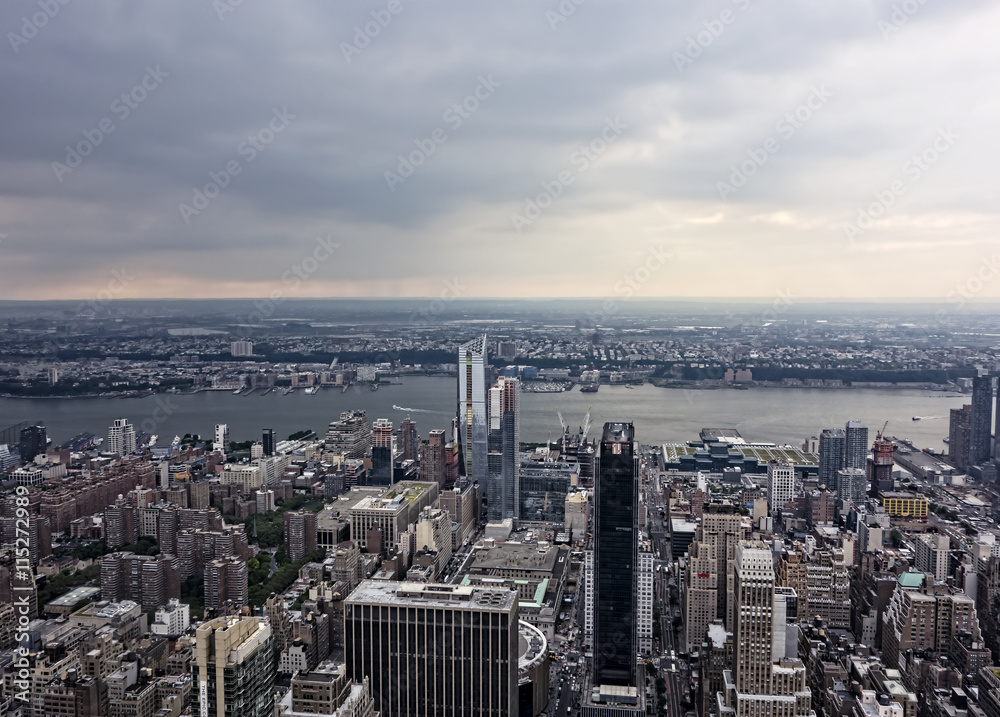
[660, 415]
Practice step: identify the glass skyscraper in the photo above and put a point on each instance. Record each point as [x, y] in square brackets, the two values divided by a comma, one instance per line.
[981, 418]
[856, 447]
[502, 489]
[472, 410]
[616, 557]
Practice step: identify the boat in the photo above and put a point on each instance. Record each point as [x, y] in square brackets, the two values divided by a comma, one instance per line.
[374, 387]
[311, 390]
[237, 392]
[286, 391]
[917, 418]
[589, 388]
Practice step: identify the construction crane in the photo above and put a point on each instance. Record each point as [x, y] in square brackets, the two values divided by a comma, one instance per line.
[586, 426]
[879, 436]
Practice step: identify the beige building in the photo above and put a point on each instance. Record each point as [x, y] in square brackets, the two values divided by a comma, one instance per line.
[234, 668]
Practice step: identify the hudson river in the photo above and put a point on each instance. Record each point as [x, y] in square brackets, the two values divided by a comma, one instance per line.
[766, 414]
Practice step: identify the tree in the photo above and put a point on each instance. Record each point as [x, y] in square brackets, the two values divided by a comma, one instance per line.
[896, 537]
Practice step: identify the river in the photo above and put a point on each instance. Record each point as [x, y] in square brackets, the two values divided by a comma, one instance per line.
[765, 414]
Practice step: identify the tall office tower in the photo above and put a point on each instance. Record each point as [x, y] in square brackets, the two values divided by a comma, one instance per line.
[644, 601]
[221, 437]
[241, 348]
[932, 555]
[300, 533]
[959, 434]
[268, 441]
[351, 435]
[708, 581]
[851, 485]
[880, 464]
[234, 664]
[121, 437]
[503, 462]
[855, 445]
[33, 441]
[781, 484]
[981, 418]
[409, 438]
[433, 459]
[431, 649]
[382, 443]
[758, 685]
[616, 512]
[832, 446]
[473, 425]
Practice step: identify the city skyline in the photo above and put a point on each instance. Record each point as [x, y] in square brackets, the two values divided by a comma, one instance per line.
[234, 150]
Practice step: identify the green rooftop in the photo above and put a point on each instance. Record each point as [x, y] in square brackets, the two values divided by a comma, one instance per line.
[911, 579]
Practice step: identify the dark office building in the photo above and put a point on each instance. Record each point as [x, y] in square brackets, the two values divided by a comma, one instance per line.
[381, 472]
[269, 442]
[616, 513]
[981, 418]
[832, 444]
[959, 435]
[33, 442]
[544, 486]
[410, 439]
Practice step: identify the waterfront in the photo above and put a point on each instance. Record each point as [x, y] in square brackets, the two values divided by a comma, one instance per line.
[771, 414]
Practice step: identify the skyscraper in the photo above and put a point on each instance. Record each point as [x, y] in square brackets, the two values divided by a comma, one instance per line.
[616, 548]
[433, 459]
[832, 445]
[300, 533]
[33, 441]
[781, 484]
[234, 667]
[382, 442]
[855, 445]
[981, 418]
[410, 439]
[268, 441]
[503, 462]
[959, 436]
[472, 410]
[121, 437]
[221, 437]
[431, 649]
[880, 464]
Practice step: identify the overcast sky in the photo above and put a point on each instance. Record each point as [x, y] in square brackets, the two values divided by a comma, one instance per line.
[721, 148]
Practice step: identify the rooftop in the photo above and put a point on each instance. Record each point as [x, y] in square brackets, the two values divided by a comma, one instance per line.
[74, 596]
[433, 595]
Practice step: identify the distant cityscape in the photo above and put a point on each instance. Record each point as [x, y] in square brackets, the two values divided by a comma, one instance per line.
[368, 569]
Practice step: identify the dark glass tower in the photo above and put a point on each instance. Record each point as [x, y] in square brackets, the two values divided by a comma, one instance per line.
[33, 442]
[856, 445]
[268, 441]
[981, 418]
[832, 446]
[616, 556]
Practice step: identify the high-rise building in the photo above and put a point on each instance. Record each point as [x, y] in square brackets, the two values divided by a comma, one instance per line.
[432, 458]
[855, 445]
[241, 348]
[879, 467]
[959, 436]
[410, 439]
[616, 512]
[851, 485]
[221, 437]
[981, 418]
[226, 583]
[708, 579]
[150, 580]
[350, 436]
[931, 555]
[33, 441]
[473, 416]
[268, 441]
[832, 446]
[431, 649]
[234, 668]
[503, 462]
[121, 437]
[780, 484]
[382, 453]
[300, 533]
[644, 602]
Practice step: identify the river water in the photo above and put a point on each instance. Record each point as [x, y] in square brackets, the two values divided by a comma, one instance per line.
[764, 414]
